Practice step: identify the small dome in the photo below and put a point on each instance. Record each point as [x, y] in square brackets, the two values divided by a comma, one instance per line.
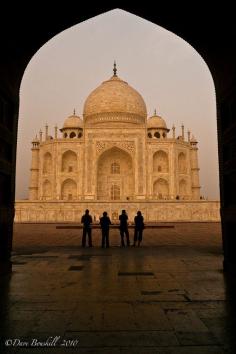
[73, 122]
[156, 122]
[193, 139]
[35, 140]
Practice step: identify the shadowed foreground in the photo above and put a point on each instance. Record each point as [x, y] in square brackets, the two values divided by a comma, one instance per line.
[169, 296]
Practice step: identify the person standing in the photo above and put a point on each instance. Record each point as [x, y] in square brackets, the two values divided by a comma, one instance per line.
[105, 223]
[86, 220]
[138, 228]
[124, 228]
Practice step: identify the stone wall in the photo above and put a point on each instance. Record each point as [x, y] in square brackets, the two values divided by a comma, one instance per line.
[153, 211]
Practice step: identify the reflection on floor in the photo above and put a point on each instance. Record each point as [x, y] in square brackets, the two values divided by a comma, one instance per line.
[169, 296]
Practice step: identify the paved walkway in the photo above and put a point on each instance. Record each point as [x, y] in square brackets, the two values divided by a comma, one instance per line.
[169, 296]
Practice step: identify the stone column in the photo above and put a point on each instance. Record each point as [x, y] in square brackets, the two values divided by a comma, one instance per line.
[194, 169]
[34, 178]
[149, 171]
[81, 169]
[89, 164]
[140, 167]
[55, 169]
[93, 171]
[135, 165]
[172, 172]
[144, 161]
[59, 171]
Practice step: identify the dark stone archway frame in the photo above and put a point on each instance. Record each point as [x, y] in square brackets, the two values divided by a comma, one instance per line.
[212, 33]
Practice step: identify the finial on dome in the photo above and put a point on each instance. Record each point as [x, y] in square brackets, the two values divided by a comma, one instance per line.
[74, 112]
[114, 69]
[155, 112]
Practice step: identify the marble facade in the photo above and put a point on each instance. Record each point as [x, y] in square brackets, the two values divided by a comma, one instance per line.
[115, 158]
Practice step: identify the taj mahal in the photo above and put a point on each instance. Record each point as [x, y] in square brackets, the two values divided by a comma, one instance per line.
[115, 158]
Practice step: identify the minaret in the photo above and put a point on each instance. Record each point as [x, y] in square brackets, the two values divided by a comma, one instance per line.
[173, 132]
[189, 136]
[40, 136]
[34, 178]
[194, 169]
[46, 132]
[182, 127]
[56, 130]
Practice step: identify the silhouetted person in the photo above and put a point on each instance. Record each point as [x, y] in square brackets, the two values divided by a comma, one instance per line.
[124, 228]
[105, 223]
[138, 228]
[86, 220]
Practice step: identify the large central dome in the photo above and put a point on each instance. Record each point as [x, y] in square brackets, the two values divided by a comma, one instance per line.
[115, 101]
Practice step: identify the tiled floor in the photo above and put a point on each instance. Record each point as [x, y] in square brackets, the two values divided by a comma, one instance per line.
[169, 296]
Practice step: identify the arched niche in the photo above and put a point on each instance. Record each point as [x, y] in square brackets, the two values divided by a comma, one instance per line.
[72, 135]
[115, 167]
[182, 163]
[69, 190]
[160, 161]
[69, 162]
[183, 189]
[161, 188]
[47, 163]
[47, 190]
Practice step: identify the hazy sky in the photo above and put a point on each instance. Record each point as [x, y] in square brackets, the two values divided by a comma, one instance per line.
[169, 74]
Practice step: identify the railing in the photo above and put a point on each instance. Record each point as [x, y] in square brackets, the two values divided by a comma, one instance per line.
[116, 226]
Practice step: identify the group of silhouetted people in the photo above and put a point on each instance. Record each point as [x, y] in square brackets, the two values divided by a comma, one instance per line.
[105, 223]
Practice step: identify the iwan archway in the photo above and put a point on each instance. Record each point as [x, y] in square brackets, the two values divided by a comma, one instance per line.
[115, 175]
[203, 42]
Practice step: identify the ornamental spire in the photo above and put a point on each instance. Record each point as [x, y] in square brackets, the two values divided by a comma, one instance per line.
[114, 69]
[46, 131]
[155, 112]
[182, 126]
